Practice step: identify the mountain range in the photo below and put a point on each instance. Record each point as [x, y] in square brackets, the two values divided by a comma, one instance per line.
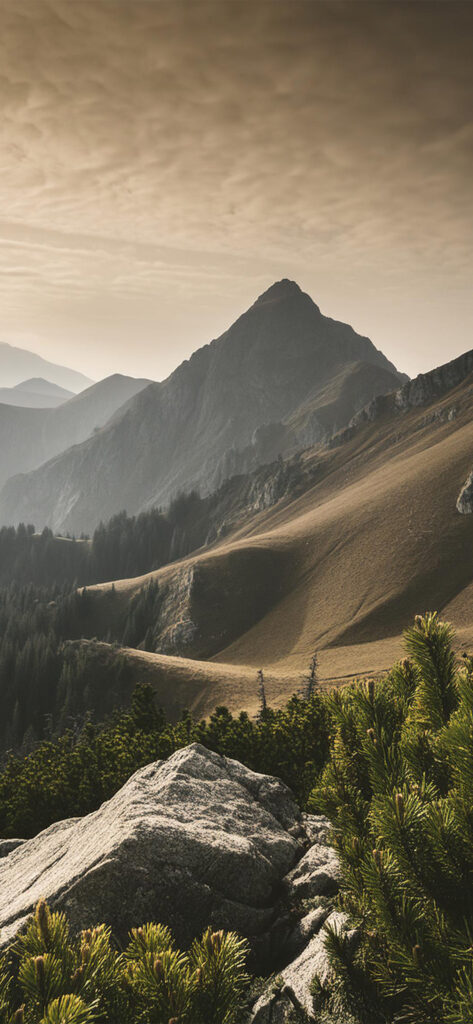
[18, 365]
[35, 393]
[333, 512]
[31, 436]
[282, 378]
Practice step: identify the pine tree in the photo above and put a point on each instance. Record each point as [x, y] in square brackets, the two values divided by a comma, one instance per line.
[58, 978]
[399, 790]
[262, 695]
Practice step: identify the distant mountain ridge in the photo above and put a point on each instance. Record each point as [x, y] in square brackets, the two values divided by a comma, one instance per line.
[31, 436]
[40, 386]
[18, 364]
[35, 393]
[282, 377]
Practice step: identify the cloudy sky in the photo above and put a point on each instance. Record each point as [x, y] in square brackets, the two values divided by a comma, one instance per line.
[163, 162]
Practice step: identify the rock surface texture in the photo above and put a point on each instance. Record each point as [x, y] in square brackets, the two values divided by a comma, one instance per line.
[194, 840]
[293, 991]
[427, 386]
[8, 845]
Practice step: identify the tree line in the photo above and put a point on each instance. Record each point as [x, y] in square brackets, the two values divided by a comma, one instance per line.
[73, 774]
[47, 682]
[125, 546]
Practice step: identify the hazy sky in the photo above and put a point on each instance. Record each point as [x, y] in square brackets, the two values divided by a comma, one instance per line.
[163, 162]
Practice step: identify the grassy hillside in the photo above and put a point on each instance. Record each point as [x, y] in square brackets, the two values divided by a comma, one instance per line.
[348, 562]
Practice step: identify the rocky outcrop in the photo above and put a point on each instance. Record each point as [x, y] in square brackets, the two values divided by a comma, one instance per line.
[193, 840]
[316, 874]
[465, 498]
[311, 882]
[427, 386]
[423, 389]
[206, 607]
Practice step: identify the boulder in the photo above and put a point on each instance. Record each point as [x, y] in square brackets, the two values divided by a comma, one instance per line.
[194, 840]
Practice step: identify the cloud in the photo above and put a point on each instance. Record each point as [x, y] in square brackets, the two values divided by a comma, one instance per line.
[159, 160]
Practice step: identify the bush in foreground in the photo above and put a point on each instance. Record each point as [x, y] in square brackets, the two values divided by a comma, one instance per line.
[398, 787]
[49, 977]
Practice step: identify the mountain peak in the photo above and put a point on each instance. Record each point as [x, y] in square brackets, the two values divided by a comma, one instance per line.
[39, 385]
[279, 291]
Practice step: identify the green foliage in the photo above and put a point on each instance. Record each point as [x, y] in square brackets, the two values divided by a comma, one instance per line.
[398, 787]
[46, 683]
[141, 620]
[391, 764]
[41, 558]
[76, 773]
[217, 963]
[429, 643]
[49, 977]
[122, 547]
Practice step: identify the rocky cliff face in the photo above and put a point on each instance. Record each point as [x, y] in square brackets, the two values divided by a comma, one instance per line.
[465, 498]
[203, 610]
[420, 391]
[427, 386]
[283, 374]
[194, 840]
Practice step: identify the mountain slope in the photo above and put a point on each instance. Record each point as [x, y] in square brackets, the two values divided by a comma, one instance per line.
[343, 568]
[18, 364]
[35, 393]
[31, 436]
[250, 395]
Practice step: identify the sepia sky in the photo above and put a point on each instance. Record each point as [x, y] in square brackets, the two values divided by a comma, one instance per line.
[162, 162]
